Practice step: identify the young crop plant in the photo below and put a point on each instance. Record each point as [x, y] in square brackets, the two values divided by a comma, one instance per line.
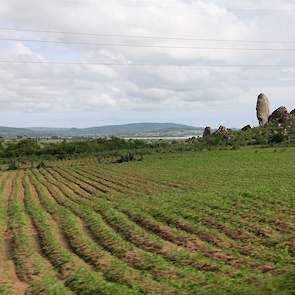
[76, 274]
[195, 223]
[182, 257]
[136, 235]
[31, 267]
[105, 236]
[112, 268]
[6, 281]
[214, 254]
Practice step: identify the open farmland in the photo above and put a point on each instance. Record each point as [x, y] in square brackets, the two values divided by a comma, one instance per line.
[219, 222]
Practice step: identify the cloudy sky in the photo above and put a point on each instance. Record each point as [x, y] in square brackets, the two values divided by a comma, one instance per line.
[121, 61]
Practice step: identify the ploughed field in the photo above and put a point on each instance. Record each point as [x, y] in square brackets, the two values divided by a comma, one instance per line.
[219, 222]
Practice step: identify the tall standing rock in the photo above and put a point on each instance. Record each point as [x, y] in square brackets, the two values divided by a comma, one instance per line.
[262, 109]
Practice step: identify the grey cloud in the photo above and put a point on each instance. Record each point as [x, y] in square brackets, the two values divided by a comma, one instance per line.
[145, 93]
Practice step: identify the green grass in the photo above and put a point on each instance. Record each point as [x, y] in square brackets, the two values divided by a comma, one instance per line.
[210, 222]
[227, 195]
[263, 172]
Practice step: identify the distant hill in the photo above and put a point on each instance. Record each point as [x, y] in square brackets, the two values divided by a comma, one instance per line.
[127, 130]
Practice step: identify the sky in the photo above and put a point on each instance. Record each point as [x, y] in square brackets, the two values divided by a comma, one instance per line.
[201, 63]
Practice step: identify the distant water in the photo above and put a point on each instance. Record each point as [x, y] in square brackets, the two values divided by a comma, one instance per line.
[165, 138]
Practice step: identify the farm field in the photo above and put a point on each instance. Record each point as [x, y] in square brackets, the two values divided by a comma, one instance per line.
[211, 222]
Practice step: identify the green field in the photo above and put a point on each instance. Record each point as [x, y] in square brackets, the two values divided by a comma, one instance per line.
[210, 222]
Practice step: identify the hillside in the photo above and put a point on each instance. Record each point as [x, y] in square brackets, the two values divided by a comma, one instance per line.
[127, 130]
[279, 130]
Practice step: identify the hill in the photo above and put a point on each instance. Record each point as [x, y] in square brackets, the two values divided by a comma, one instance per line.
[127, 130]
[277, 131]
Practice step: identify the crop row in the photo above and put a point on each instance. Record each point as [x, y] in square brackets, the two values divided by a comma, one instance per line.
[143, 238]
[77, 275]
[81, 244]
[105, 236]
[232, 234]
[136, 235]
[6, 280]
[30, 266]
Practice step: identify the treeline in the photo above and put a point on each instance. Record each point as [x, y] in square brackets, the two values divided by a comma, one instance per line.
[34, 152]
[121, 150]
[31, 147]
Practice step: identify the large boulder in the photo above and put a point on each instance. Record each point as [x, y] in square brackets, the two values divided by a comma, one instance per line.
[207, 132]
[280, 115]
[262, 109]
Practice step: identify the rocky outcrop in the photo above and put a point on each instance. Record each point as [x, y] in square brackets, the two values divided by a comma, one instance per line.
[207, 132]
[262, 109]
[292, 113]
[222, 130]
[280, 115]
[247, 127]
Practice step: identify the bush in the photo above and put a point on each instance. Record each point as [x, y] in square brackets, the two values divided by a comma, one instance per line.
[41, 165]
[12, 165]
[277, 138]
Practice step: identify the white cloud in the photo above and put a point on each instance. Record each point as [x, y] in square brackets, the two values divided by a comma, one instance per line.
[143, 93]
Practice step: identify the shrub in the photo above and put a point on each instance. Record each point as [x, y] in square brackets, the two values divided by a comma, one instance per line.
[12, 165]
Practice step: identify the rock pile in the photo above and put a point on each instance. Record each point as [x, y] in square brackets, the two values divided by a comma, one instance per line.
[280, 115]
[222, 131]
